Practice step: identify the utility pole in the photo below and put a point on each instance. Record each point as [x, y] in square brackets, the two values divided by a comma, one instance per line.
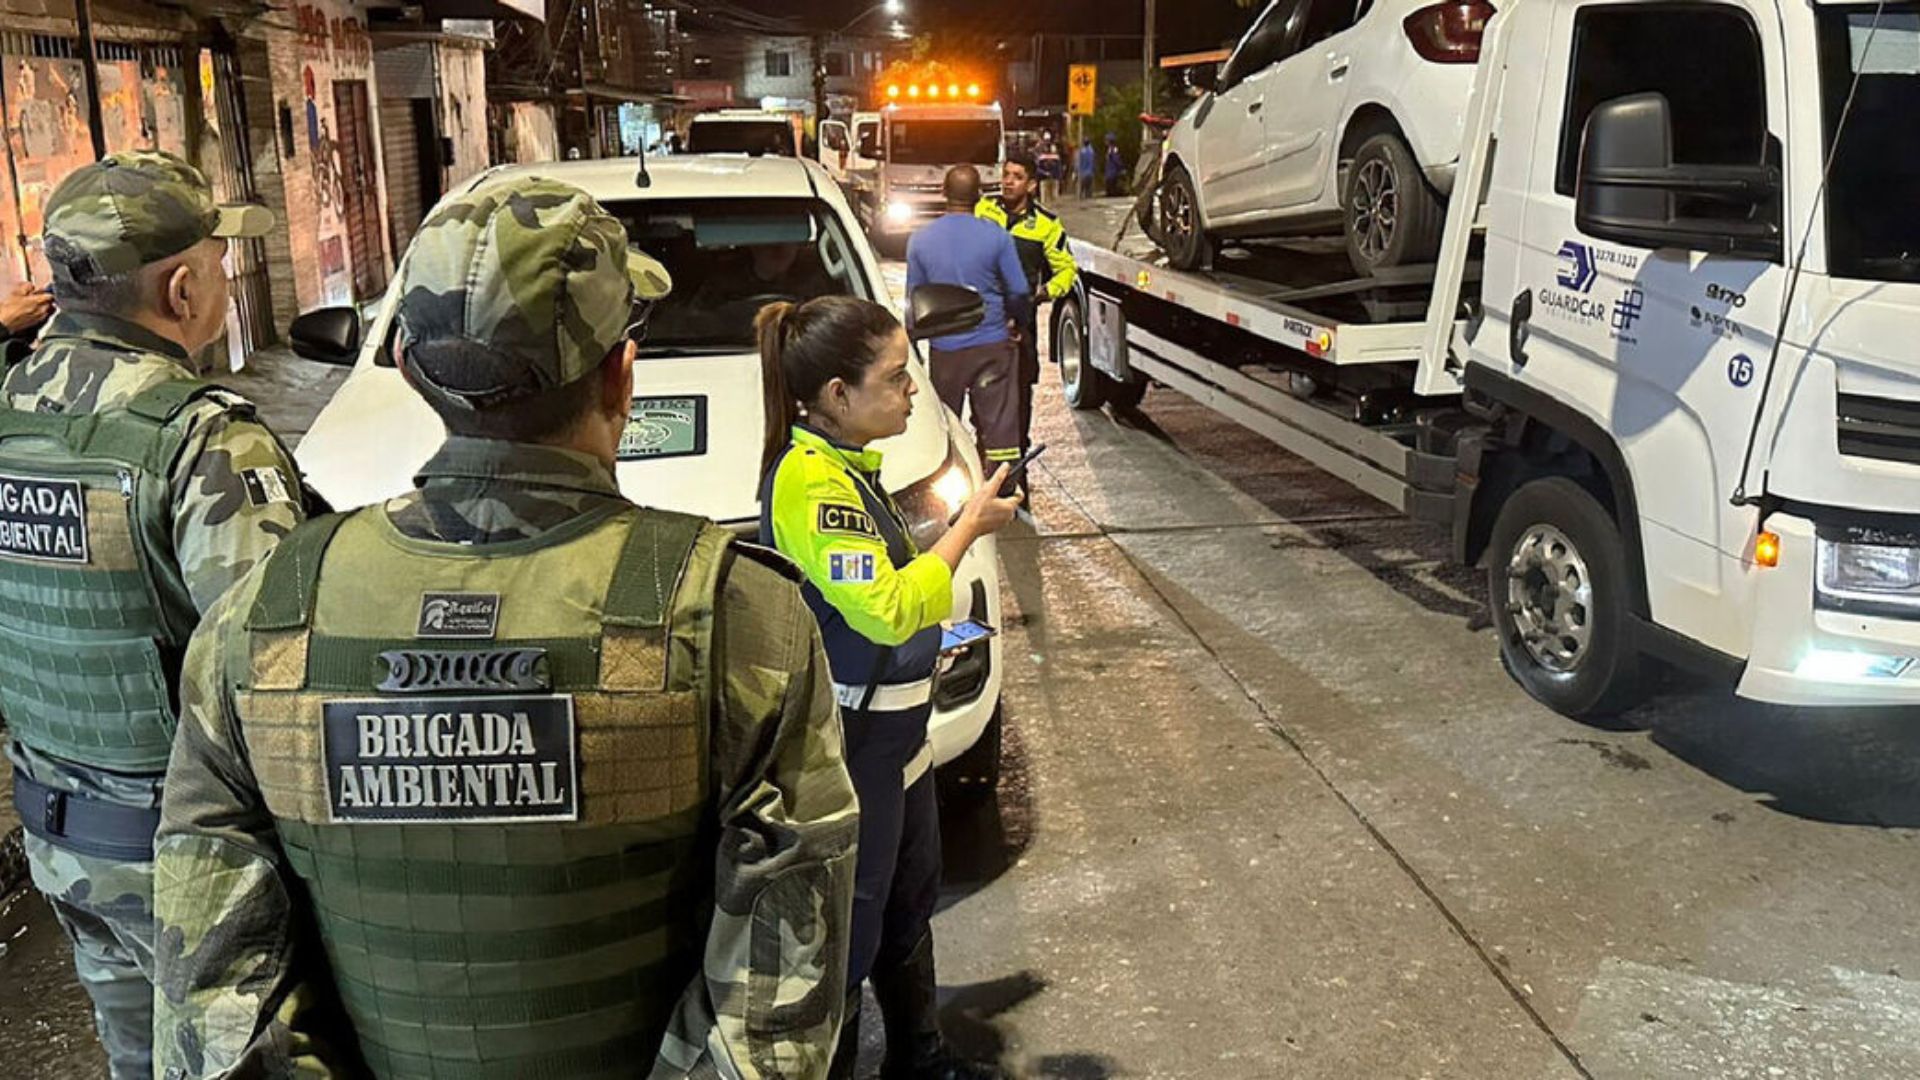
[1146, 53]
[819, 86]
[90, 75]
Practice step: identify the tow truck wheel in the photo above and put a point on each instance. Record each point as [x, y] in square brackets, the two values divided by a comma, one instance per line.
[1084, 386]
[1186, 243]
[1394, 216]
[1125, 395]
[1557, 582]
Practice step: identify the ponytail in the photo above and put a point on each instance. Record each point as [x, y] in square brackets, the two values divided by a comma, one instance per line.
[803, 347]
[777, 402]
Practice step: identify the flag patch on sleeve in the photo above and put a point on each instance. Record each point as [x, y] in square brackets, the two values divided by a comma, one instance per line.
[850, 567]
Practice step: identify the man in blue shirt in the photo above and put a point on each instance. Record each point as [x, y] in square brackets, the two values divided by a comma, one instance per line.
[1083, 167]
[981, 364]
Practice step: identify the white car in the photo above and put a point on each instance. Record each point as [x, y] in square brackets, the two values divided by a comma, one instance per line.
[1330, 116]
[743, 131]
[735, 232]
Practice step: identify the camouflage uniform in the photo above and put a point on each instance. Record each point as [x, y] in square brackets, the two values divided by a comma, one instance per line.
[249, 980]
[111, 218]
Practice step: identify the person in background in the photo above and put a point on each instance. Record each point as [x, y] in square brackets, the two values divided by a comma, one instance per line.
[1084, 167]
[1050, 166]
[617, 840]
[22, 313]
[157, 492]
[1116, 167]
[980, 366]
[835, 376]
[1041, 242]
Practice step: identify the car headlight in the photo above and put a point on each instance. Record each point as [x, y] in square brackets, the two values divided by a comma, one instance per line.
[1860, 570]
[928, 504]
[899, 212]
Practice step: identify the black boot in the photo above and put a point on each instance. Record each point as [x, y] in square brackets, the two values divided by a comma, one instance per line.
[846, 1052]
[915, 1048]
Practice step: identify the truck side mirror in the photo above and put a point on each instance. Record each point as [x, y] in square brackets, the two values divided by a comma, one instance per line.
[870, 144]
[939, 310]
[1630, 190]
[329, 335]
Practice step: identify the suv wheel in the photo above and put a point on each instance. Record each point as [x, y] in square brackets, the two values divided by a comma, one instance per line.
[1186, 243]
[1393, 216]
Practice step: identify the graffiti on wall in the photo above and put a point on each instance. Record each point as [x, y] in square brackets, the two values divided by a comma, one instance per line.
[328, 44]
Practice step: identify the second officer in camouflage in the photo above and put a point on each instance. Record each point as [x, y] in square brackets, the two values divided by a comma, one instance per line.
[131, 495]
[508, 777]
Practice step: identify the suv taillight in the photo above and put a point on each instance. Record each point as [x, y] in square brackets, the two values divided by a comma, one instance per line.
[1449, 33]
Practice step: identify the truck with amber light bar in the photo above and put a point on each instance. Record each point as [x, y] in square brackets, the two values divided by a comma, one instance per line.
[1665, 396]
[933, 116]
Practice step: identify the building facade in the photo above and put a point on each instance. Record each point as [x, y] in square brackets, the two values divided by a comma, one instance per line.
[344, 122]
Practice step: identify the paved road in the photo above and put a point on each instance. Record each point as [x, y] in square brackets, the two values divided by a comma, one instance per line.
[1272, 809]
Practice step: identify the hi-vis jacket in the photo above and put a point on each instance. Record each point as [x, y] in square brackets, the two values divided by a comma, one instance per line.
[1041, 241]
[878, 599]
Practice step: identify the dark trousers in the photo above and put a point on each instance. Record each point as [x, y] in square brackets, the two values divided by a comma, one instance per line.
[897, 872]
[989, 376]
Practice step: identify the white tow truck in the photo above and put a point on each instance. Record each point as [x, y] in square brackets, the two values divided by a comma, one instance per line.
[1664, 377]
[910, 150]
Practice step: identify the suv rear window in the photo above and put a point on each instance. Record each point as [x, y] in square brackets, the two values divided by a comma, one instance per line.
[740, 137]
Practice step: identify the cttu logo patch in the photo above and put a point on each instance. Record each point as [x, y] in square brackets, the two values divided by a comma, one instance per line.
[458, 615]
[839, 519]
[43, 519]
[475, 760]
[850, 567]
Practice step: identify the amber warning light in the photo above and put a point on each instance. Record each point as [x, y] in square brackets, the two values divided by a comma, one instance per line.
[933, 91]
[1766, 549]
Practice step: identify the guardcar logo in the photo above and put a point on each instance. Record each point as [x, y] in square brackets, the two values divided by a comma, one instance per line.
[458, 615]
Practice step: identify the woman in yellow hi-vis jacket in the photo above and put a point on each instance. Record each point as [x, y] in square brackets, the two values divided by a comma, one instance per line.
[835, 379]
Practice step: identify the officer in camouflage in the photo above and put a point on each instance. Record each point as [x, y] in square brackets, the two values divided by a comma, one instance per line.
[131, 496]
[508, 777]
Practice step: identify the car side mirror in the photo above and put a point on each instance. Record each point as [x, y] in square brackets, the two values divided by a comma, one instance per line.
[1630, 190]
[328, 335]
[939, 310]
[869, 145]
[1204, 77]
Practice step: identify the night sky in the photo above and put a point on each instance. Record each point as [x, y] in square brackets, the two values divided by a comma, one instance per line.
[1184, 25]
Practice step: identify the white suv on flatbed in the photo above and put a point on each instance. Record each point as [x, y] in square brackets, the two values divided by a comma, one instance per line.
[736, 233]
[1331, 116]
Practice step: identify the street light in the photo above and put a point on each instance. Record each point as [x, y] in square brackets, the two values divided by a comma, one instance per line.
[891, 7]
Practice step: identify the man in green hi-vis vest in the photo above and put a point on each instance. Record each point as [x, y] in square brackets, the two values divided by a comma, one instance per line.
[508, 777]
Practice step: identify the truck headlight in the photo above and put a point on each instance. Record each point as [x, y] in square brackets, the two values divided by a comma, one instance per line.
[928, 504]
[1862, 571]
[899, 213]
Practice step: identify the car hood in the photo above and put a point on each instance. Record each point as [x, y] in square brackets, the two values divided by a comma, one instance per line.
[374, 435]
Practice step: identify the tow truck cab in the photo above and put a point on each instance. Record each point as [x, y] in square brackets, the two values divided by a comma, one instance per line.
[916, 144]
[1665, 388]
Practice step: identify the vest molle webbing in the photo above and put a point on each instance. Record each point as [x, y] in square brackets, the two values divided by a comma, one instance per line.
[472, 936]
[94, 613]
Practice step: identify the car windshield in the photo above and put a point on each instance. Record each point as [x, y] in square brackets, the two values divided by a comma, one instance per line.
[1873, 232]
[729, 257]
[740, 137]
[945, 142]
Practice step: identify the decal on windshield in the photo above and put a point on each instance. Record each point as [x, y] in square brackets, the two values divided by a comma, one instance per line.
[665, 427]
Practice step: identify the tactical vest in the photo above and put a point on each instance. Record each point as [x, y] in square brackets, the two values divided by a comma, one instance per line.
[94, 612]
[855, 659]
[488, 764]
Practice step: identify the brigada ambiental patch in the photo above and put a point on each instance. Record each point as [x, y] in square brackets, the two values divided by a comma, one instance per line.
[472, 760]
[43, 519]
[458, 615]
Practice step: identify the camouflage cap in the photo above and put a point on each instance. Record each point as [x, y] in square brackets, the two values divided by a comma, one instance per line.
[519, 286]
[130, 209]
